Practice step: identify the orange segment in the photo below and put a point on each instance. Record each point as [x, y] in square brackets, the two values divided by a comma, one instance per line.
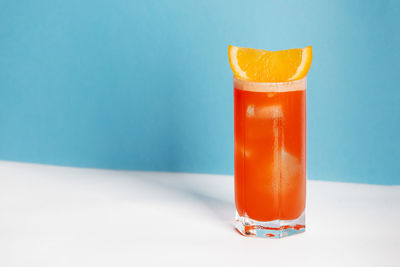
[267, 66]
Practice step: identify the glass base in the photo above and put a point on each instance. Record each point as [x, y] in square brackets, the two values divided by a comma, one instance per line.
[272, 229]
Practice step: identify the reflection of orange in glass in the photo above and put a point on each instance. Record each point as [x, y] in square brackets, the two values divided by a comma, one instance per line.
[270, 156]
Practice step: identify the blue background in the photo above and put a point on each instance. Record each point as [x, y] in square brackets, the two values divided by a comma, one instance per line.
[146, 85]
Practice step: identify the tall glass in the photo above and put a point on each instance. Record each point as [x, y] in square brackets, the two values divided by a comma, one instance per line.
[270, 157]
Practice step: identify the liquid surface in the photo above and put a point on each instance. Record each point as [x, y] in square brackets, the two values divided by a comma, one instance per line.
[270, 156]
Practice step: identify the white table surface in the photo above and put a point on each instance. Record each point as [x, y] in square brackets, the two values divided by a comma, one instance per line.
[58, 216]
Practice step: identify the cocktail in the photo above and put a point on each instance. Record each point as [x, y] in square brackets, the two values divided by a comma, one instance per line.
[270, 140]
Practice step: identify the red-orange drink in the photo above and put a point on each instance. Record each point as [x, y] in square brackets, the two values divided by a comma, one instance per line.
[270, 157]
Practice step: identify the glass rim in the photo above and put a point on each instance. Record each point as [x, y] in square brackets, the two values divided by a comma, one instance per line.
[296, 85]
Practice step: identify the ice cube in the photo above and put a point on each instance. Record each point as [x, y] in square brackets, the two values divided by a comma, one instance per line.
[285, 168]
[250, 111]
[290, 165]
[242, 150]
[270, 112]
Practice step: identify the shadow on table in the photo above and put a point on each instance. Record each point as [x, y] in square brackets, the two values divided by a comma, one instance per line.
[222, 207]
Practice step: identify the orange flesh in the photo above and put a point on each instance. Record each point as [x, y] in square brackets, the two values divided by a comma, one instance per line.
[270, 66]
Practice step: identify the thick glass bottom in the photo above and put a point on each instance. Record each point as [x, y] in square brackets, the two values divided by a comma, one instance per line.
[272, 229]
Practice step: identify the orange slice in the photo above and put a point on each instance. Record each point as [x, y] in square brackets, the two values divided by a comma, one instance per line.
[267, 66]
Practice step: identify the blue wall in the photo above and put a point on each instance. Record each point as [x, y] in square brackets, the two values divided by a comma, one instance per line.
[147, 85]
